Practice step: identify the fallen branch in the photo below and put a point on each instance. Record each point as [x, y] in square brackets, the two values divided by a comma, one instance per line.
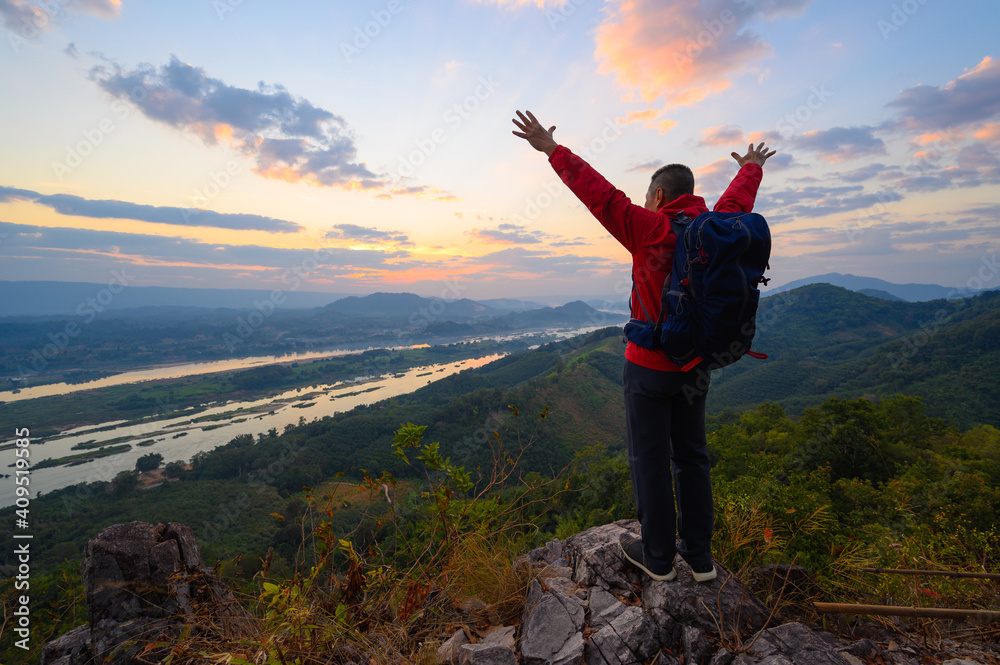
[896, 611]
[942, 573]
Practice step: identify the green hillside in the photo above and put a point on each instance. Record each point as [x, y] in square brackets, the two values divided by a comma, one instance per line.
[824, 341]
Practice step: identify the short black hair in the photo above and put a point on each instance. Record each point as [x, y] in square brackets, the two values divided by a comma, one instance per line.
[674, 179]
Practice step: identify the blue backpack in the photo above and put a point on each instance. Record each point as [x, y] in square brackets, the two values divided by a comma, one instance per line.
[712, 294]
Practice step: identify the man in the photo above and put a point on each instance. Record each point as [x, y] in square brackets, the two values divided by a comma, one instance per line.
[664, 406]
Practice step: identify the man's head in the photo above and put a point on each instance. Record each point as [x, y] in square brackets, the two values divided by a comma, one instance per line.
[668, 183]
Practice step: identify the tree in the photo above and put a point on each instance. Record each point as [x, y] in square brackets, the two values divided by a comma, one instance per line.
[124, 484]
[148, 462]
[173, 469]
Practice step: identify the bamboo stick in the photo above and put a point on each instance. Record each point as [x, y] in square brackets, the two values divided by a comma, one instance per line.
[892, 610]
[943, 573]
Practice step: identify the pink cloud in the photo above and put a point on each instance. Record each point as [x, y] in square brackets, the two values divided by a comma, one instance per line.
[679, 53]
[724, 135]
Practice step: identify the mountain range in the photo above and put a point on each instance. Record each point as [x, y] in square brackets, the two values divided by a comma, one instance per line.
[879, 288]
[61, 298]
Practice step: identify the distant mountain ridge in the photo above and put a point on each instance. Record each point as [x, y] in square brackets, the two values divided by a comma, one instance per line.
[394, 305]
[907, 292]
[39, 298]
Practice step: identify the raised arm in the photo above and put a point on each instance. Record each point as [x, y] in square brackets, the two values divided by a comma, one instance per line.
[630, 224]
[742, 191]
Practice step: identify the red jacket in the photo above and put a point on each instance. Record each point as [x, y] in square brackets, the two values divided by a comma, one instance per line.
[647, 235]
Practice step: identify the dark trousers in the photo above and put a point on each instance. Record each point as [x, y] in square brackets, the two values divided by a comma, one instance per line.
[667, 452]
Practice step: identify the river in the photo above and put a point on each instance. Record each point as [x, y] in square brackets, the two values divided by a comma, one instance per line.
[174, 372]
[178, 439]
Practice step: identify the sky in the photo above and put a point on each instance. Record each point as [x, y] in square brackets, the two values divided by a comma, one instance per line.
[355, 147]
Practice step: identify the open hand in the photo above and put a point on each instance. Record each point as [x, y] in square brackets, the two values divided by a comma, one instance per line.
[756, 155]
[535, 134]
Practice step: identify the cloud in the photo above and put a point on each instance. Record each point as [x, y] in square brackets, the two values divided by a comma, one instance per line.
[714, 177]
[26, 19]
[521, 260]
[509, 234]
[289, 138]
[862, 174]
[421, 192]
[780, 162]
[971, 98]
[369, 235]
[514, 234]
[8, 194]
[541, 4]
[678, 53]
[647, 166]
[818, 201]
[841, 143]
[989, 133]
[875, 241]
[723, 135]
[76, 206]
[111, 248]
[975, 164]
[650, 119]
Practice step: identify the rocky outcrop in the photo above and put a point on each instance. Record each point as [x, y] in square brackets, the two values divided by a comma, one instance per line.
[588, 605]
[143, 584]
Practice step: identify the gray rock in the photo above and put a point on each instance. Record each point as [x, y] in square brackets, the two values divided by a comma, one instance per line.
[551, 554]
[697, 648]
[549, 624]
[604, 608]
[596, 557]
[725, 603]
[776, 659]
[501, 636]
[851, 658]
[722, 657]
[795, 642]
[143, 584]
[72, 647]
[489, 654]
[450, 653]
[630, 639]
[562, 585]
[960, 661]
[863, 648]
[670, 632]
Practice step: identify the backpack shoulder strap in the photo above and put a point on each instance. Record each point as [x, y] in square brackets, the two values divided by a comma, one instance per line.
[642, 305]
